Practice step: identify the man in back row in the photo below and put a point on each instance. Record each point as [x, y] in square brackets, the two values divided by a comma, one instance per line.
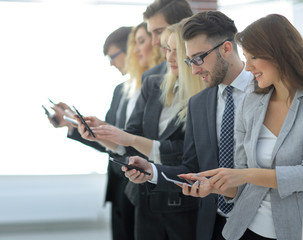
[212, 54]
[159, 15]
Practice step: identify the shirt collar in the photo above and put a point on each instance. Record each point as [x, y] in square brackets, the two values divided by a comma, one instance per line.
[241, 82]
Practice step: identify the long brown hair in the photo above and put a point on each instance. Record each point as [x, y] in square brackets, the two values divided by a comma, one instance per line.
[275, 39]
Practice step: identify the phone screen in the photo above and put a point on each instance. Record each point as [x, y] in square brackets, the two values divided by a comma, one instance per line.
[85, 124]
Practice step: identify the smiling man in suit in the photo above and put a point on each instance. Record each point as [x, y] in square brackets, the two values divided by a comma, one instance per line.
[212, 54]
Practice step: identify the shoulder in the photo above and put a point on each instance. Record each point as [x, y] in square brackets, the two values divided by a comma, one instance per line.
[153, 81]
[204, 94]
[252, 100]
[158, 69]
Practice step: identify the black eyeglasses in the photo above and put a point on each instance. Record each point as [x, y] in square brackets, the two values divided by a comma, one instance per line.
[199, 60]
[112, 57]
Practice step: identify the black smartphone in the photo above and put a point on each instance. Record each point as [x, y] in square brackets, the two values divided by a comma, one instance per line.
[51, 116]
[123, 163]
[176, 179]
[85, 124]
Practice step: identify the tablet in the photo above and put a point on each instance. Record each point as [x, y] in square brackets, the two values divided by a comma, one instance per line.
[122, 163]
[85, 124]
[177, 180]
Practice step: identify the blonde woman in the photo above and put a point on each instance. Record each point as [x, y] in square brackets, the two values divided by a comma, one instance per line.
[156, 130]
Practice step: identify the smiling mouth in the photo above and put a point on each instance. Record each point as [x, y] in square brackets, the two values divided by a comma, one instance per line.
[204, 76]
[258, 75]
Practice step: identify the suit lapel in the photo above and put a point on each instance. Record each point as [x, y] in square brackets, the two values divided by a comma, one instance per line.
[122, 119]
[288, 122]
[258, 119]
[170, 129]
[211, 118]
[153, 115]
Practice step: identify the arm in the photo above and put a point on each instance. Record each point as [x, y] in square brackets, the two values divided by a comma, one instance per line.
[111, 137]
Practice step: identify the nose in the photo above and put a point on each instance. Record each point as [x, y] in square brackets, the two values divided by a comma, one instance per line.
[248, 66]
[136, 49]
[155, 39]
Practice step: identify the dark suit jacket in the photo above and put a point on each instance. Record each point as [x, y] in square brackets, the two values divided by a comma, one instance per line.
[200, 154]
[116, 178]
[161, 68]
[144, 121]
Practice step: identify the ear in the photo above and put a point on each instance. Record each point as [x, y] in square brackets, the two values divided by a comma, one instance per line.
[226, 49]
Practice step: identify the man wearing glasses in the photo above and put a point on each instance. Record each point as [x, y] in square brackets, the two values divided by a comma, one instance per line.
[212, 54]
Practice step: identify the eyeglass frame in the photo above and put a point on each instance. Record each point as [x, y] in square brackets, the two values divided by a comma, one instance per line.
[112, 57]
[202, 56]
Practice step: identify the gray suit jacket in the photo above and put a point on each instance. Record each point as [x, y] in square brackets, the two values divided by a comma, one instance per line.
[287, 159]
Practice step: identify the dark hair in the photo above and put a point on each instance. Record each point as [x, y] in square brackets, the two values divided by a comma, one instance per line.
[173, 10]
[275, 39]
[118, 38]
[214, 24]
[142, 25]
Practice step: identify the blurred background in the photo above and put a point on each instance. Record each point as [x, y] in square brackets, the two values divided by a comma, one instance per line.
[52, 187]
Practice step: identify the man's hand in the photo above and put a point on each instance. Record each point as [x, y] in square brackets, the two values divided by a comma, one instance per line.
[136, 176]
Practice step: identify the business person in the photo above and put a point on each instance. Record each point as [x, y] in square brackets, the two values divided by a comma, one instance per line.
[159, 15]
[212, 55]
[267, 184]
[122, 211]
[139, 57]
[156, 129]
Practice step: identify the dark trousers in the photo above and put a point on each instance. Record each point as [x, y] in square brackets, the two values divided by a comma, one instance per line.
[219, 225]
[250, 235]
[165, 226]
[123, 214]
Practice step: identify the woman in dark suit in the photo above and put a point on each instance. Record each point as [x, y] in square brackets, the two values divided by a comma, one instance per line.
[156, 130]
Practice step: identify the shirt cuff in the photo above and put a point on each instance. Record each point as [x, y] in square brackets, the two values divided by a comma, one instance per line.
[155, 152]
[155, 175]
[119, 150]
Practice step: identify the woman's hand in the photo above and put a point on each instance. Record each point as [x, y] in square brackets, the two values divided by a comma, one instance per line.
[201, 187]
[91, 122]
[113, 134]
[136, 176]
[223, 179]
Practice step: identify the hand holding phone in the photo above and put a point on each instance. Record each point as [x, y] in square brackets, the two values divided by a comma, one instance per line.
[85, 124]
[177, 180]
[129, 167]
[51, 116]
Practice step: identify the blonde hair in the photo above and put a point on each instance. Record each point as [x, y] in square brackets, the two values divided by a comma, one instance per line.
[132, 65]
[189, 84]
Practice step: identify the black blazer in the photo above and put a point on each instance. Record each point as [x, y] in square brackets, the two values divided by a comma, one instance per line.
[161, 68]
[115, 177]
[200, 154]
[144, 121]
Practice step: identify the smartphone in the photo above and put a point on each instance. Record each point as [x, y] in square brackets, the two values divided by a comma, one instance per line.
[85, 124]
[51, 116]
[123, 163]
[71, 120]
[177, 180]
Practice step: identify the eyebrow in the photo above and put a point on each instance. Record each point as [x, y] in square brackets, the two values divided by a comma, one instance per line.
[197, 54]
[157, 29]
